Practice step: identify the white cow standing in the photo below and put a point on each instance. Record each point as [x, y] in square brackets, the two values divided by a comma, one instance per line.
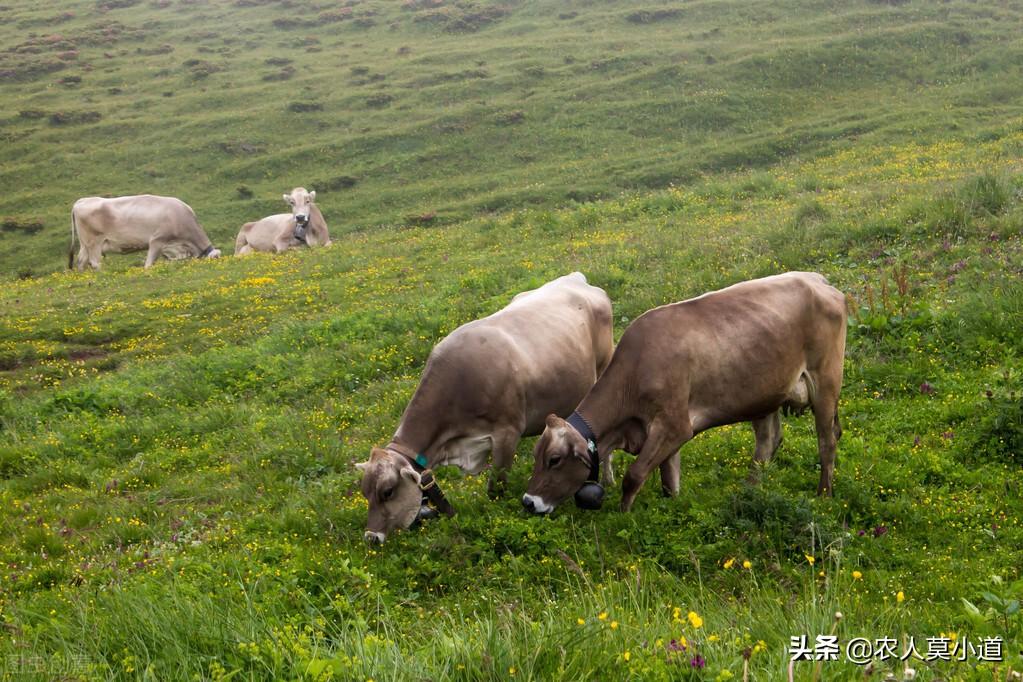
[166, 226]
[304, 226]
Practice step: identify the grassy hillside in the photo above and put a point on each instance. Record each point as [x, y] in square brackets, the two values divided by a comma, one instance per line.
[177, 495]
[399, 112]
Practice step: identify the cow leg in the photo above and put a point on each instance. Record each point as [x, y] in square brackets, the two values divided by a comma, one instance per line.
[661, 444]
[607, 474]
[825, 415]
[767, 431]
[92, 258]
[503, 453]
[155, 249]
[669, 475]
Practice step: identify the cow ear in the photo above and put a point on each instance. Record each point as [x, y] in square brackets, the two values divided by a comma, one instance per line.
[552, 421]
[362, 466]
[377, 453]
[287, 198]
[411, 474]
[312, 195]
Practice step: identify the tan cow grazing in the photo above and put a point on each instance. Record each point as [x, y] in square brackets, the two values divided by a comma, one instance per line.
[164, 225]
[739, 354]
[304, 226]
[486, 385]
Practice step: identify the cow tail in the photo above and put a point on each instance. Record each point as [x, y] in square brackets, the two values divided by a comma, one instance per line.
[74, 233]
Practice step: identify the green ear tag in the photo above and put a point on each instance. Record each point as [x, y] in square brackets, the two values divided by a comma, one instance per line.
[421, 460]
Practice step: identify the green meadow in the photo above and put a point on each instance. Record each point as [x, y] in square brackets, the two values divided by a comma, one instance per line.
[177, 492]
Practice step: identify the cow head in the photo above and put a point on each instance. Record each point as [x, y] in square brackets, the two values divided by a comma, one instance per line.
[301, 202]
[391, 486]
[561, 465]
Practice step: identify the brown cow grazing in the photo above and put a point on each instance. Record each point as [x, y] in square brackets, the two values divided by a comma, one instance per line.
[304, 226]
[486, 385]
[164, 225]
[739, 354]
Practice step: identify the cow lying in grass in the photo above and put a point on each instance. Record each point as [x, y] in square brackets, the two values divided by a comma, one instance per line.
[486, 385]
[164, 225]
[740, 354]
[304, 226]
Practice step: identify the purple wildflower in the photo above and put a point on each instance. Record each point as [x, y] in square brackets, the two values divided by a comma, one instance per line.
[698, 662]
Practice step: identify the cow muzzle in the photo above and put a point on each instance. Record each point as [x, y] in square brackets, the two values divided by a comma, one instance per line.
[374, 538]
[590, 496]
[535, 504]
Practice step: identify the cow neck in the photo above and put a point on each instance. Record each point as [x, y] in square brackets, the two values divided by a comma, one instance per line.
[427, 482]
[579, 423]
[317, 217]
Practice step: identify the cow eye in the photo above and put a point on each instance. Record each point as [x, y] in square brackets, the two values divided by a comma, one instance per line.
[555, 461]
[387, 494]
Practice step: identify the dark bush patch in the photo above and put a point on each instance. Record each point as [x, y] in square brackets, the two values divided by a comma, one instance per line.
[106, 5]
[507, 118]
[31, 114]
[239, 147]
[416, 5]
[337, 183]
[26, 226]
[70, 80]
[284, 74]
[199, 69]
[115, 91]
[288, 23]
[955, 211]
[649, 16]
[278, 61]
[467, 18]
[379, 101]
[422, 218]
[62, 118]
[166, 48]
[304, 107]
[568, 15]
[776, 524]
[811, 211]
[335, 15]
[999, 426]
[30, 69]
[244, 192]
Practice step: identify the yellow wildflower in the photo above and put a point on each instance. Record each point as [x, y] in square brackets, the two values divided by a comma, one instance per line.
[695, 619]
[730, 563]
[747, 564]
[809, 559]
[857, 575]
[900, 597]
